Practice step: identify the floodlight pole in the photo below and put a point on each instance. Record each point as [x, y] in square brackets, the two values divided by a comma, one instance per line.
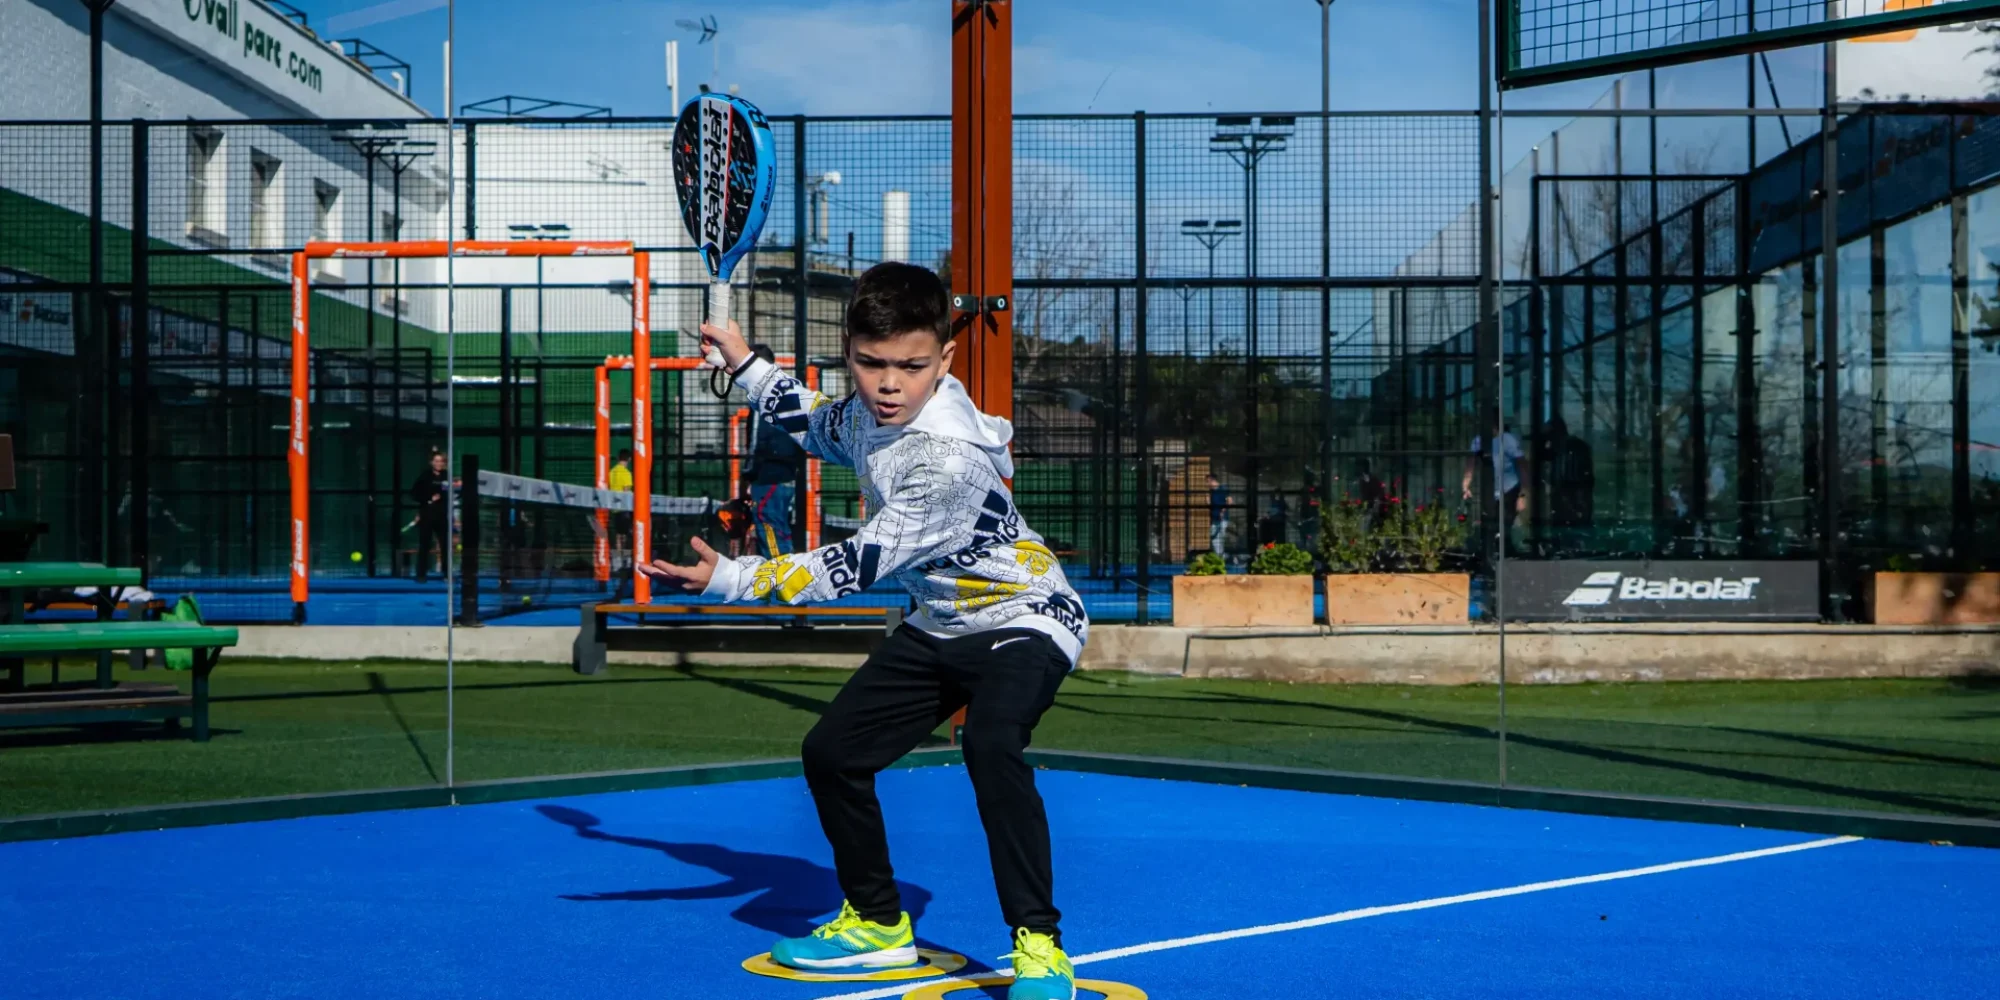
[1247, 148]
[1211, 235]
[1325, 239]
[97, 322]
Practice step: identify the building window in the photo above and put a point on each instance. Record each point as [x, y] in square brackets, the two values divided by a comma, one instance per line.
[267, 201]
[326, 226]
[204, 184]
[391, 227]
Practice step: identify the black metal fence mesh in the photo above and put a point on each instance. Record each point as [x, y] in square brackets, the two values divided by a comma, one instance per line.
[1671, 317]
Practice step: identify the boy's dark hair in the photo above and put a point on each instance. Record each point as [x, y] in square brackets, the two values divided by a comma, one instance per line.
[893, 297]
[624, 454]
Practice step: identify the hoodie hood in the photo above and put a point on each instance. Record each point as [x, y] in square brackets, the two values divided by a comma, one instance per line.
[950, 413]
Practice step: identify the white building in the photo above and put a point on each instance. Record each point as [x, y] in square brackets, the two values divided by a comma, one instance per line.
[200, 71]
[181, 59]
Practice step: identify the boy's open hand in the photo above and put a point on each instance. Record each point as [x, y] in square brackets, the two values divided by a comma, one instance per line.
[730, 343]
[693, 579]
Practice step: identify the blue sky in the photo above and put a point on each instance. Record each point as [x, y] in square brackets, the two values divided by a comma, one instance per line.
[889, 56]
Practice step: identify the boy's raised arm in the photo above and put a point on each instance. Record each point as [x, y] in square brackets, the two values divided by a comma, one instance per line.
[813, 420]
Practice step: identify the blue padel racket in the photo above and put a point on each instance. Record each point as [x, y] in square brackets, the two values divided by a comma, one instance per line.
[724, 173]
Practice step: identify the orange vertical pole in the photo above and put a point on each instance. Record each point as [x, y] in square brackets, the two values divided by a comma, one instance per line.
[982, 205]
[982, 198]
[297, 466]
[601, 557]
[642, 425]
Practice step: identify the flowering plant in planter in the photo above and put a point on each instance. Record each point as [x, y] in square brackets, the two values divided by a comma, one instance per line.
[1281, 559]
[1207, 564]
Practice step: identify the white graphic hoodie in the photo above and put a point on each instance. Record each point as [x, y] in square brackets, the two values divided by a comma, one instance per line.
[941, 519]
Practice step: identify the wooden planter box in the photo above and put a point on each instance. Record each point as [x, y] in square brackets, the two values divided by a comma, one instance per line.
[1241, 601]
[1398, 598]
[1935, 598]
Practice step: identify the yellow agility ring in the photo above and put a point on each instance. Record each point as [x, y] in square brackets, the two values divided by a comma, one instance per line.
[936, 963]
[938, 991]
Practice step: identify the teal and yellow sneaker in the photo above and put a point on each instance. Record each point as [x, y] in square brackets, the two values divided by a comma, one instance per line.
[1041, 970]
[850, 942]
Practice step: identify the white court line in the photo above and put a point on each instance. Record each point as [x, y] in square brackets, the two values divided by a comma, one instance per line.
[1381, 911]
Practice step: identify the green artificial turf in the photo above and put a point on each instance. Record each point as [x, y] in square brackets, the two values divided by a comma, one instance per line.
[281, 728]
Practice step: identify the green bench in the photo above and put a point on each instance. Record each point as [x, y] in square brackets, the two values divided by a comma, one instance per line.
[88, 702]
[20, 582]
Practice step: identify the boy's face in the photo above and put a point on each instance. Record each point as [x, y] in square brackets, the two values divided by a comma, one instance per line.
[897, 374]
[437, 463]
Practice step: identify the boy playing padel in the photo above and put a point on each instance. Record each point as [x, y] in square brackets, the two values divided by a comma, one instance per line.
[997, 629]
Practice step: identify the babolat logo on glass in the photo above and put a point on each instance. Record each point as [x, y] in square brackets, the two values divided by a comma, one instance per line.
[1600, 588]
[1662, 590]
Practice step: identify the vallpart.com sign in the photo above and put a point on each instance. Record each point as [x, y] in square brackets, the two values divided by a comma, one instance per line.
[226, 18]
[1723, 590]
[251, 42]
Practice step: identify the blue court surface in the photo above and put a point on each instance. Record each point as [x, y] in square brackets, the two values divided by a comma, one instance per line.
[1182, 890]
[353, 600]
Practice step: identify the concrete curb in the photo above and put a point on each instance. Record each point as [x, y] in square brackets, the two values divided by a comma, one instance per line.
[1536, 654]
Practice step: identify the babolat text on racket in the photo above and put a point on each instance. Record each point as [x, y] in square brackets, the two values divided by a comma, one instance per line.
[724, 173]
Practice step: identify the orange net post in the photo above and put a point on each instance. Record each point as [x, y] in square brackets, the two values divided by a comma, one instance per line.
[642, 427]
[296, 458]
[812, 478]
[601, 557]
[736, 451]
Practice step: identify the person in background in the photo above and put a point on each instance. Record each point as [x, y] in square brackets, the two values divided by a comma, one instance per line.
[1276, 517]
[1572, 487]
[1509, 480]
[1370, 490]
[775, 463]
[1218, 514]
[619, 480]
[1309, 513]
[161, 523]
[433, 521]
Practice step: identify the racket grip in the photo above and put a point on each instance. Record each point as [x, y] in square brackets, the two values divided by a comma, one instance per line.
[718, 316]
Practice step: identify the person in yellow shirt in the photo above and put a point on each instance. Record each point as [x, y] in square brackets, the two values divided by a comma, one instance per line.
[619, 480]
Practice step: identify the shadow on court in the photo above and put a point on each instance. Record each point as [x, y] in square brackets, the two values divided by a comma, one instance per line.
[788, 896]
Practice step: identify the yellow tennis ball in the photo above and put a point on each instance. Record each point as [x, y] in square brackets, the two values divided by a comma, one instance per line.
[354, 557]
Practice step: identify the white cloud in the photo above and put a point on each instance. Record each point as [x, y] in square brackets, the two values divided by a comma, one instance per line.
[380, 13]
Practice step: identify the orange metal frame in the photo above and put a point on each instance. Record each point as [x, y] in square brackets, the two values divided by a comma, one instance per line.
[298, 455]
[642, 587]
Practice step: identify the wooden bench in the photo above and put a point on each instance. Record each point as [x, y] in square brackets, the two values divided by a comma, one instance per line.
[688, 628]
[74, 704]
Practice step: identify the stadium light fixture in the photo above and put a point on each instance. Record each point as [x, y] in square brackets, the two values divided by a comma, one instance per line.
[1247, 141]
[1209, 233]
